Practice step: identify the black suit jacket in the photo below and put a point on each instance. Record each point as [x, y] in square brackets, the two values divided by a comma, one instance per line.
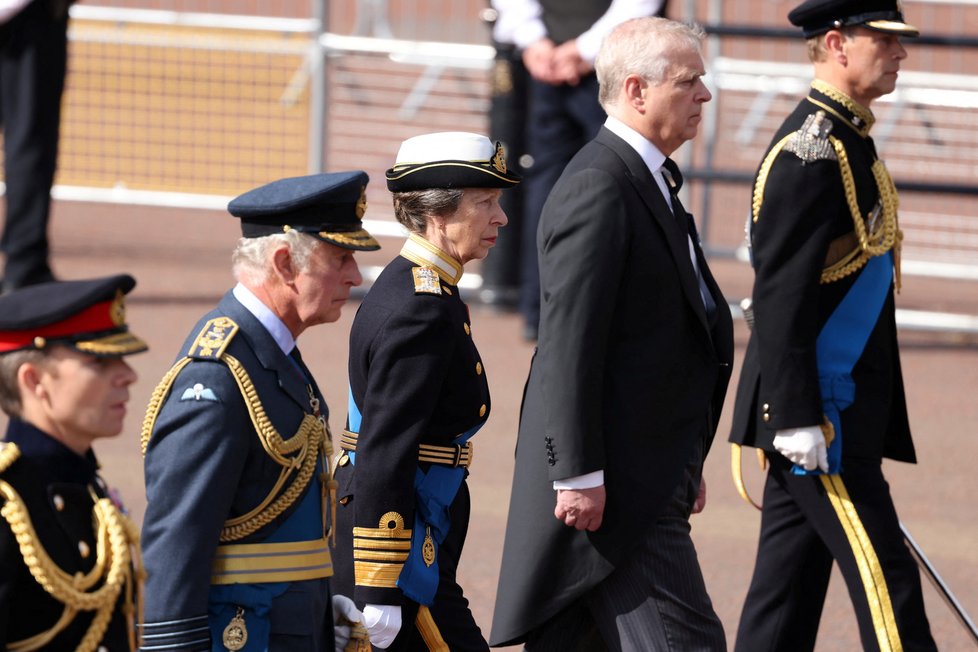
[628, 375]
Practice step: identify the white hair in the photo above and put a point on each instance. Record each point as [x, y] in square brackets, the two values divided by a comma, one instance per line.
[250, 259]
[642, 46]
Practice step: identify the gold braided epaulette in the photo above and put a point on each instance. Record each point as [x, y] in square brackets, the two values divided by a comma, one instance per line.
[213, 338]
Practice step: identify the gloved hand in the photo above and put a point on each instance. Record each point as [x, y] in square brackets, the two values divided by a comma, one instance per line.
[803, 446]
[345, 614]
[383, 622]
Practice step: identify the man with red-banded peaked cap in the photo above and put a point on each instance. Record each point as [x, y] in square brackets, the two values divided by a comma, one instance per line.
[69, 577]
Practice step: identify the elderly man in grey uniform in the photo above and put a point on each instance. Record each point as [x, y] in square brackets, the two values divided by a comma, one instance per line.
[237, 443]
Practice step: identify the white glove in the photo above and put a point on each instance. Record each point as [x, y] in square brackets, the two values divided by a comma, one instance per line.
[803, 446]
[383, 622]
[345, 613]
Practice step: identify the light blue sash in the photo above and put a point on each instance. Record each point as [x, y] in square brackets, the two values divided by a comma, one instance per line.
[434, 493]
[840, 344]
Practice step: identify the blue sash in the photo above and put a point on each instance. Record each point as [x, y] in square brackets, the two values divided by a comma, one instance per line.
[840, 344]
[304, 524]
[434, 493]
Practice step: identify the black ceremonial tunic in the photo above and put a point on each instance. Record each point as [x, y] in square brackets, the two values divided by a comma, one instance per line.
[58, 487]
[416, 378]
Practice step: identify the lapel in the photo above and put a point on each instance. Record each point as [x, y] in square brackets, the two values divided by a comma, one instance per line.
[641, 179]
[266, 350]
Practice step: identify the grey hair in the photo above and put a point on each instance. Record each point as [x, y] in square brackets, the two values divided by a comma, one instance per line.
[249, 260]
[10, 363]
[413, 207]
[640, 46]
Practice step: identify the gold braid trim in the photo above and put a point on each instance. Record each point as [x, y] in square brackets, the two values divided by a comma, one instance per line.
[115, 535]
[308, 438]
[758, 197]
[886, 236]
[156, 402]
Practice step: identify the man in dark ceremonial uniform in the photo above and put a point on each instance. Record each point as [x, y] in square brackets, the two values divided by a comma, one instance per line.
[237, 442]
[68, 578]
[821, 391]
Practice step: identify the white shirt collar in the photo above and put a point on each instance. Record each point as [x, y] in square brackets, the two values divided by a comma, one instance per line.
[649, 153]
[275, 326]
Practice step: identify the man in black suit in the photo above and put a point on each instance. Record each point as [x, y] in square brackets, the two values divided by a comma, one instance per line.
[821, 391]
[627, 382]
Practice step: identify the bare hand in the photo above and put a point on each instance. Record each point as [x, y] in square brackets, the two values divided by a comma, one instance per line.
[568, 65]
[700, 503]
[581, 509]
[538, 59]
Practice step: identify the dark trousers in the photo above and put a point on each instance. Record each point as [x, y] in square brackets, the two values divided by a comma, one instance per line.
[655, 602]
[809, 521]
[33, 60]
[507, 124]
[562, 119]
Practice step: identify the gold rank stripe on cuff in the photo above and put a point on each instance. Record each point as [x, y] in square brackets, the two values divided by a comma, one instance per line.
[252, 563]
[453, 456]
[421, 252]
[376, 574]
[379, 552]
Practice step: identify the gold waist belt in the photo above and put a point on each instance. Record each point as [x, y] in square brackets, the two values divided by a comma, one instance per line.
[255, 563]
[457, 455]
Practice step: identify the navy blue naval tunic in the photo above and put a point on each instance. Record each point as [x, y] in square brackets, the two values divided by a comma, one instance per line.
[417, 378]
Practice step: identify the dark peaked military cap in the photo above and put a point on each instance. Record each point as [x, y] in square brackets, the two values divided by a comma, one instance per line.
[449, 159]
[88, 315]
[329, 206]
[819, 16]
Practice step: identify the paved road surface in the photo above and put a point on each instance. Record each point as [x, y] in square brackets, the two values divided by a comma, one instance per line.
[182, 260]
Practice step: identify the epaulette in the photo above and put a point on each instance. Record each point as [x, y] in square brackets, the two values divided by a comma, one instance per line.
[9, 452]
[426, 280]
[213, 339]
[811, 142]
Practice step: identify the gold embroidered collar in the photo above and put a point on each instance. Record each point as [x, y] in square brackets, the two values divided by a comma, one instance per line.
[843, 107]
[420, 251]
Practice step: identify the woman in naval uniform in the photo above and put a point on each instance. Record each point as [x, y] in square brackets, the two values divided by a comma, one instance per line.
[418, 392]
[67, 550]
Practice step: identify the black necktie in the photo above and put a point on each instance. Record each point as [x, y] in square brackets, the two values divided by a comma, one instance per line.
[674, 179]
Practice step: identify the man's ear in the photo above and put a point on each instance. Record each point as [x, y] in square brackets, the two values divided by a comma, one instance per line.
[29, 380]
[834, 41]
[283, 265]
[633, 89]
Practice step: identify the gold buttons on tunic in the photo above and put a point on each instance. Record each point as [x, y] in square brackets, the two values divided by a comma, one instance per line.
[83, 549]
[344, 500]
[59, 502]
[482, 410]
[767, 415]
[478, 368]
[344, 460]
[468, 331]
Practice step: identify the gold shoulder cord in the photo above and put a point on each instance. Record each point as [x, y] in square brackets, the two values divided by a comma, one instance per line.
[886, 235]
[117, 564]
[310, 436]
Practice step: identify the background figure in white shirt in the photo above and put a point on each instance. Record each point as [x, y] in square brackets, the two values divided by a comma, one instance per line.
[559, 40]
